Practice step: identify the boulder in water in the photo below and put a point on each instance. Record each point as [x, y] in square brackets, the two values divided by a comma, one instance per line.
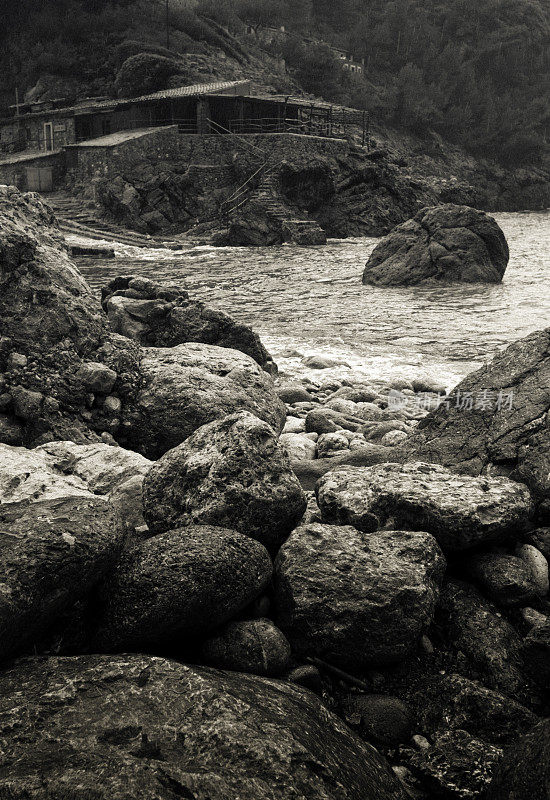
[161, 316]
[441, 243]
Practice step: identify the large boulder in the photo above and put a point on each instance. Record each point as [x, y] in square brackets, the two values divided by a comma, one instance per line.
[524, 772]
[137, 726]
[496, 415]
[182, 583]
[186, 386]
[49, 323]
[443, 243]
[53, 552]
[459, 510]
[231, 473]
[163, 316]
[44, 301]
[357, 600]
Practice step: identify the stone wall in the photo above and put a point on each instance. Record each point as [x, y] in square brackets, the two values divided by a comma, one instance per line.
[14, 172]
[118, 155]
[221, 149]
[86, 162]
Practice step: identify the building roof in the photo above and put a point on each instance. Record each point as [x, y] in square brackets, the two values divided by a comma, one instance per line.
[85, 107]
[193, 91]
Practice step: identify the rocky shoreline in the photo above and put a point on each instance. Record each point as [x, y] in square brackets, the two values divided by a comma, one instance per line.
[222, 582]
[301, 189]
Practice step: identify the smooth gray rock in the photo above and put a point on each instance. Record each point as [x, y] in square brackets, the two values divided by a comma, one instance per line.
[133, 726]
[380, 718]
[357, 600]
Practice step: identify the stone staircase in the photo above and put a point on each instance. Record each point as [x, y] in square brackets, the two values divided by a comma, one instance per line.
[74, 216]
[297, 226]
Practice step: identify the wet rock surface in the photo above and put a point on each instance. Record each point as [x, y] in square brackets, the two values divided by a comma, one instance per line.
[159, 729]
[443, 243]
[460, 511]
[229, 473]
[357, 600]
[162, 316]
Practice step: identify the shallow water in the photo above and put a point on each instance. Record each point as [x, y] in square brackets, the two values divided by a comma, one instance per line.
[310, 300]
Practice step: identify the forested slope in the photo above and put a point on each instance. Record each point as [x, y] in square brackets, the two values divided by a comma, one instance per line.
[475, 72]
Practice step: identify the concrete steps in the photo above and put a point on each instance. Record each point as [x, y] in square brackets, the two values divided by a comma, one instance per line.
[75, 217]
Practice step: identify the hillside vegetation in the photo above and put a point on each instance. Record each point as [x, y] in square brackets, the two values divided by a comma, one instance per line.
[475, 73]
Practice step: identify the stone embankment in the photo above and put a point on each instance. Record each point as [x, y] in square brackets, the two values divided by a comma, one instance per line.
[274, 188]
[220, 609]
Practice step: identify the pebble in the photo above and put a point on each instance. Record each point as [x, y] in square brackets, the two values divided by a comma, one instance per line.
[308, 676]
[426, 645]
[420, 742]
[392, 438]
[294, 425]
[537, 564]
[17, 361]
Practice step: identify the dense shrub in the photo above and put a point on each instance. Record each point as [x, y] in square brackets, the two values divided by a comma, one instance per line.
[144, 73]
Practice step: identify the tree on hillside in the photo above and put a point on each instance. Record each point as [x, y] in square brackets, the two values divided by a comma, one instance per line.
[261, 13]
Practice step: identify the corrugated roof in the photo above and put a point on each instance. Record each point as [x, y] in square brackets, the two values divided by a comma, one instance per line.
[180, 91]
[190, 91]
[165, 94]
